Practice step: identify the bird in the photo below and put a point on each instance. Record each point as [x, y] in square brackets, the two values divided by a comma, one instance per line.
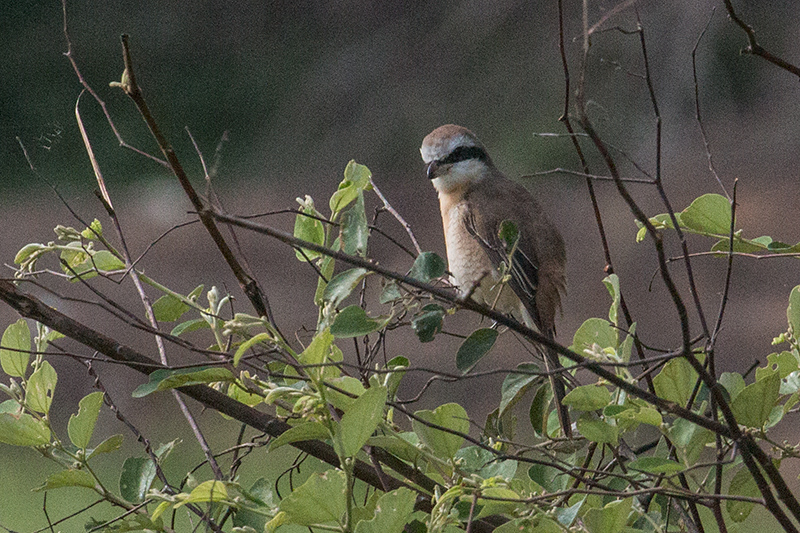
[517, 268]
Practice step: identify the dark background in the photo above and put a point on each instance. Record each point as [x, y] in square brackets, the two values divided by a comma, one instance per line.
[303, 87]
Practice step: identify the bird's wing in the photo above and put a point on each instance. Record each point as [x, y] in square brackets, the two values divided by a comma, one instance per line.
[521, 264]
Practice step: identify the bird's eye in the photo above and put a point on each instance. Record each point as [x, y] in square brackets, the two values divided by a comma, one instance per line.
[463, 153]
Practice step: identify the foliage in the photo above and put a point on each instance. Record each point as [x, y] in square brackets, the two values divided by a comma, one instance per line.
[656, 431]
[322, 402]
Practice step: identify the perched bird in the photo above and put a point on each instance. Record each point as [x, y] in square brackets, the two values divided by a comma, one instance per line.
[520, 272]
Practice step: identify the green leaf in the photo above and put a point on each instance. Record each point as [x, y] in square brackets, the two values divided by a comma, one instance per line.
[398, 366]
[482, 462]
[549, 478]
[352, 321]
[27, 251]
[785, 363]
[676, 381]
[515, 386]
[68, 478]
[326, 268]
[450, 416]
[742, 484]
[309, 229]
[403, 445]
[81, 425]
[21, 429]
[792, 312]
[538, 412]
[739, 245]
[390, 293]
[249, 343]
[496, 506]
[566, 515]
[260, 493]
[428, 322]
[427, 266]
[509, 235]
[610, 519]
[16, 347]
[475, 347]
[753, 405]
[165, 379]
[318, 351]
[733, 383]
[690, 440]
[137, 475]
[356, 179]
[588, 398]
[391, 514]
[656, 465]
[190, 325]
[105, 261]
[319, 500]
[111, 444]
[361, 420]
[540, 524]
[206, 492]
[711, 213]
[353, 228]
[85, 263]
[91, 233]
[299, 433]
[41, 384]
[321, 350]
[644, 415]
[170, 308]
[597, 430]
[612, 284]
[594, 331]
[342, 285]
[347, 384]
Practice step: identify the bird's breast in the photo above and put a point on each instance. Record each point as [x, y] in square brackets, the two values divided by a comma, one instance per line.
[470, 265]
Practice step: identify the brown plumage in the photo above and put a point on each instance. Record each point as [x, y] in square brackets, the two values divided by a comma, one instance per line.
[475, 199]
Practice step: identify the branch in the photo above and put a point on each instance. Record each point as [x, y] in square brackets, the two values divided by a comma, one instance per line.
[472, 305]
[31, 307]
[248, 284]
[756, 49]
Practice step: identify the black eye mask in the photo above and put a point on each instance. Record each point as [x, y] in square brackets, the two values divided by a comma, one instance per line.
[463, 153]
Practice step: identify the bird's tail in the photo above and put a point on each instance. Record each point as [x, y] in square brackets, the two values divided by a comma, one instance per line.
[552, 365]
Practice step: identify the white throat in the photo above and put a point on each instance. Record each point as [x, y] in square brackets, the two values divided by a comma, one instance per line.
[459, 175]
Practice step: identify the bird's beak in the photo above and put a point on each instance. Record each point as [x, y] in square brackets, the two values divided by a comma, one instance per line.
[433, 166]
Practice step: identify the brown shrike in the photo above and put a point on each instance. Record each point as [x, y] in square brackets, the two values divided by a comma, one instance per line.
[475, 200]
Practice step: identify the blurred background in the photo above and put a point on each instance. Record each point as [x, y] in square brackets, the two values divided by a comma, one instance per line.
[298, 89]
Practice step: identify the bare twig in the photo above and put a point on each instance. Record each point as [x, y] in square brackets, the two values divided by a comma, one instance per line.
[396, 215]
[68, 54]
[697, 106]
[756, 49]
[246, 281]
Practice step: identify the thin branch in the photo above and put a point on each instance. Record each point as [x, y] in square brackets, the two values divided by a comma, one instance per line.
[246, 281]
[88, 88]
[697, 106]
[88, 145]
[756, 49]
[487, 312]
[660, 186]
[583, 175]
[30, 307]
[396, 215]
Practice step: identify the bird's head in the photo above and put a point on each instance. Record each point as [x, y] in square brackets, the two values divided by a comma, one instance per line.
[454, 157]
